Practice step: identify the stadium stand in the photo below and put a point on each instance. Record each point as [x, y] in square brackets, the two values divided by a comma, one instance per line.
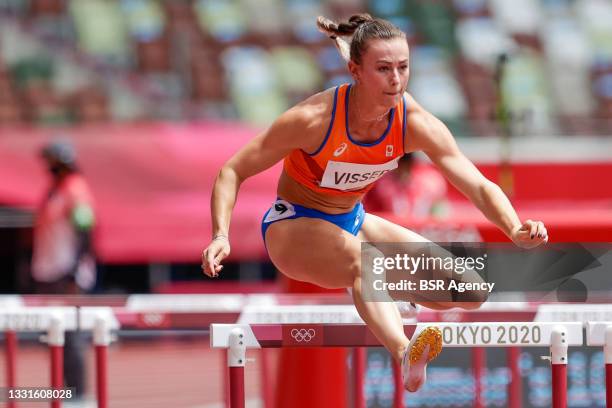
[64, 62]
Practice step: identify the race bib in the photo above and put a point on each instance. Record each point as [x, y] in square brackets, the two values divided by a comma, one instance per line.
[351, 176]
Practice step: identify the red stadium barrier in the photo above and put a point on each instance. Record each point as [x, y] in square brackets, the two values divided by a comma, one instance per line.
[569, 197]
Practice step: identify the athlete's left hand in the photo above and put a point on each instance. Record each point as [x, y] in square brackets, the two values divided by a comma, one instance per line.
[530, 235]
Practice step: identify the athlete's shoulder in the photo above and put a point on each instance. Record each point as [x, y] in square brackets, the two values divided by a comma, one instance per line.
[412, 106]
[417, 117]
[313, 113]
[425, 129]
[317, 106]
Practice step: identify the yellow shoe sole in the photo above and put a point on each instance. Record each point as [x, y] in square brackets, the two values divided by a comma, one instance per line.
[431, 336]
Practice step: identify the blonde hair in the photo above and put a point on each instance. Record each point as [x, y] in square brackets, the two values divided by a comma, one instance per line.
[362, 28]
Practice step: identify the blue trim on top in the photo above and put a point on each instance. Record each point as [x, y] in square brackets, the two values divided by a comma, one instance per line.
[404, 126]
[331, 124]
[348, 133]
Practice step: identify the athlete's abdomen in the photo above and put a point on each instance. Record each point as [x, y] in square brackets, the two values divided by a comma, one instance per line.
[297, 193]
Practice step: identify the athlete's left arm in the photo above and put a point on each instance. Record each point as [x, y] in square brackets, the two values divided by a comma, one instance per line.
[430, 135]
[82, 217]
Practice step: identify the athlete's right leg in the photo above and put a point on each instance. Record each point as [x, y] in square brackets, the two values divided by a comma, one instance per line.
[319, 252]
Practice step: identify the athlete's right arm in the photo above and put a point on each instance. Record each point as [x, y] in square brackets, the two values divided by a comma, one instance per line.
[298, 128]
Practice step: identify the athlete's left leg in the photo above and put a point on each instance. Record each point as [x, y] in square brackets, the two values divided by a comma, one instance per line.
[427, 344]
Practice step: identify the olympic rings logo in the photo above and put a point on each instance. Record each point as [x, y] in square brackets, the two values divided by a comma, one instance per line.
[303, 335]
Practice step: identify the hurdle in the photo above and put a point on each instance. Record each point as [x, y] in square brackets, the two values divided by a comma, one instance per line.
[193, 311]
[55, 321]
[600, 334]
[237, 338]
[51, 320]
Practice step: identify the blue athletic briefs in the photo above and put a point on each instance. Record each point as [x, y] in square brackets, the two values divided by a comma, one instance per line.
[284, 210]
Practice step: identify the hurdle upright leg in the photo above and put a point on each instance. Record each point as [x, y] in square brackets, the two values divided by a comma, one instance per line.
[558, 358]
[55, 340]
[359, 363]
[10, 337]
[600, 334]
[398, 395]
[102, 339]
[266, 383]
[608, 363]
[479, 361]
[236, 360]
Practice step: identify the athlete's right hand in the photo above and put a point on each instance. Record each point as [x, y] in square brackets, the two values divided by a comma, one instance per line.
[217, 251]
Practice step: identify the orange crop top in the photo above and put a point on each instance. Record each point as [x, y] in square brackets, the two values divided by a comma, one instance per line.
[342, 165]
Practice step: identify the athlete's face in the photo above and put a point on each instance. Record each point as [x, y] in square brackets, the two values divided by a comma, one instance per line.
[383, 72]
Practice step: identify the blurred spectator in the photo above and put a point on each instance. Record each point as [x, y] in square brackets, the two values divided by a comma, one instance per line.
[414, 190]
[62, 261]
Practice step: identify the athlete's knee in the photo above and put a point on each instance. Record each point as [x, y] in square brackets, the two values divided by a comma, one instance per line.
[452, 305]
[354, 269]
[436, 305]
[471, 300]
[469, 305]
[468, 299]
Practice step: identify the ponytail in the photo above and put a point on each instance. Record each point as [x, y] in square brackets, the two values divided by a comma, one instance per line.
[336, 31]
[361, 28]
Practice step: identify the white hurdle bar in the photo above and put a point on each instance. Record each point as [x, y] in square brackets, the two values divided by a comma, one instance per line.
[600, 334]
[237, 338]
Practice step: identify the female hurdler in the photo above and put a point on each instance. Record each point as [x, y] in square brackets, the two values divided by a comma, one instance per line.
[335, 144]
